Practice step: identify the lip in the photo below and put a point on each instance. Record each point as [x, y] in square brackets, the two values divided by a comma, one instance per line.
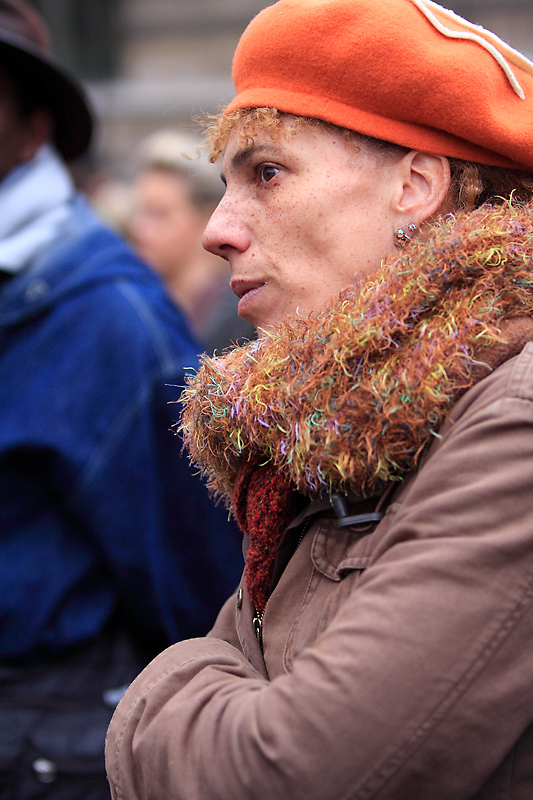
[242, 287]
[247, 291]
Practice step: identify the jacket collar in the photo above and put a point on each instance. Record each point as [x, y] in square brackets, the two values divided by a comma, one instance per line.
[35, 203]
[84, 253]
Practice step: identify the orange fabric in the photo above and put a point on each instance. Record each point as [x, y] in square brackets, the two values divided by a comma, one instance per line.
[381, 68]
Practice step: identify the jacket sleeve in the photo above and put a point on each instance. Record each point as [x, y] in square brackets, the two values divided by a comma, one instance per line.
[420, 684]
[224, 627]
[173, 557]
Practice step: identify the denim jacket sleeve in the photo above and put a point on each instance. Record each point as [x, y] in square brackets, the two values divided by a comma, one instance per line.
[173, 555]
[100, 511]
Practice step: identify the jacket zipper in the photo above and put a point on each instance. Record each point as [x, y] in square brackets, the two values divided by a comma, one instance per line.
[257, 621]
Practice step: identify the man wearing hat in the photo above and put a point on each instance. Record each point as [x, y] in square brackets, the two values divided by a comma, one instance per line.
[109, 547]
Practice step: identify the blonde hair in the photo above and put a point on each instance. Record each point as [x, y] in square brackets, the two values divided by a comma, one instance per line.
[180, 153]
[471, 186]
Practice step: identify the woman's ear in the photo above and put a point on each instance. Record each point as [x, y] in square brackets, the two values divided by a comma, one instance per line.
[425, 180]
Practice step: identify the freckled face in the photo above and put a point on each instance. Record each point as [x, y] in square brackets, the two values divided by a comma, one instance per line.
[302, 214]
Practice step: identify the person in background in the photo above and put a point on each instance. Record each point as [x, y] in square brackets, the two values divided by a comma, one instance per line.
[375, 444]
[176, 191]
[110, 548]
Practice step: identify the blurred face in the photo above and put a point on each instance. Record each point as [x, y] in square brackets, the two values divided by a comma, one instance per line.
[302, 214]
[166, 226]
[18, 140]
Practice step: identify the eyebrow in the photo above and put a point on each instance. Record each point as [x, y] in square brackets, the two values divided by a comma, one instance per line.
[242, 157]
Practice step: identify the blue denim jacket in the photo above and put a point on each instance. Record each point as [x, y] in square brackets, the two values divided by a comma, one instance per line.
[100, 513]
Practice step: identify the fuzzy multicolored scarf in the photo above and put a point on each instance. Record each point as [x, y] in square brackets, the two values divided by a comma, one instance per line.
[351, 398]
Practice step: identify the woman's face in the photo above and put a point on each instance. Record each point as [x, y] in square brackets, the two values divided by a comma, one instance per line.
[303, 213]
[166, 227]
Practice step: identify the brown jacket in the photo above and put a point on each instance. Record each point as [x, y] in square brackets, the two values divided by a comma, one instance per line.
[397, 662]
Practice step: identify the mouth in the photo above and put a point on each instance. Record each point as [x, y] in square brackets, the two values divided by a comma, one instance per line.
[241, 288]
[249, 293]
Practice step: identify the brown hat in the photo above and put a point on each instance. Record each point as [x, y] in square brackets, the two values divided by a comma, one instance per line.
[406, 71]
[25, 53]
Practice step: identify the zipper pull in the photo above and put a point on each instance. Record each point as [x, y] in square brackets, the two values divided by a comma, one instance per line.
[258, 629]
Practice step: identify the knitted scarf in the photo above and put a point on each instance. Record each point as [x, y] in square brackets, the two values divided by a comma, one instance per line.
[351, 398]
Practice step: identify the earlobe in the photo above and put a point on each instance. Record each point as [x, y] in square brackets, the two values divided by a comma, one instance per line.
[402, 237]
[425, 184]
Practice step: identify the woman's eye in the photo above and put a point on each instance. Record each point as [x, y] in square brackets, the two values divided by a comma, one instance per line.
[265, 172]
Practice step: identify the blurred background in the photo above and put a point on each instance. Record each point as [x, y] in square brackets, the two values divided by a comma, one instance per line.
[151, 64]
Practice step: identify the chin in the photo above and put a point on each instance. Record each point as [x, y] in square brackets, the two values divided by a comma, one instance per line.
[257, 323]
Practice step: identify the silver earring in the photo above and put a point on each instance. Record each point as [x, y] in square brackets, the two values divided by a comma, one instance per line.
[402, 237]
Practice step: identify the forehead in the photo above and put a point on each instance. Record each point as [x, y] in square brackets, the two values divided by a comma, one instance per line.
[278, 126]
[154, 184]
[289, 136]
[163, 179]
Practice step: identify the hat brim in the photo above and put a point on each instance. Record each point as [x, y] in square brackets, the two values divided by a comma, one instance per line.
[58, 91]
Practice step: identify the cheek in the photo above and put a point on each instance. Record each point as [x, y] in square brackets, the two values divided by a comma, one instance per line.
[188, 224]
[296, 229]
[358, 237]
[320, 222]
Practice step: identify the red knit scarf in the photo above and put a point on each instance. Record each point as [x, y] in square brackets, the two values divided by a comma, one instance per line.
[263, 503]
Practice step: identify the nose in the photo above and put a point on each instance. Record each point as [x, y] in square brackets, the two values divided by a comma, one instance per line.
[225, 233]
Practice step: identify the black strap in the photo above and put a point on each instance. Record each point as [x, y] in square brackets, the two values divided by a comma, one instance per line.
[340, 507]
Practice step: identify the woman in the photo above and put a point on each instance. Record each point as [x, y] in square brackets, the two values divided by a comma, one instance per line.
[175, 194]
[375, 444]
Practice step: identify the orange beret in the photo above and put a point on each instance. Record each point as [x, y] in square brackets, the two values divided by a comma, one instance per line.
[406, 71]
